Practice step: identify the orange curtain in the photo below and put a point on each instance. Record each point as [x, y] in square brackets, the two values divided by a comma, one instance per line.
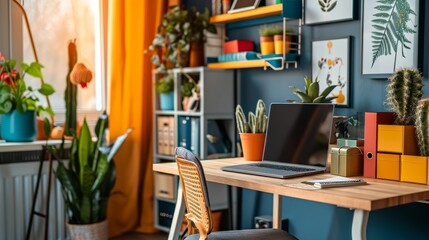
[132, 26]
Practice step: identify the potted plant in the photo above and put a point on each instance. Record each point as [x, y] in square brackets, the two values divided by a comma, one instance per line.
[165, 88]
[266, 34]
[416, 170]
[278, 40]
[312, 92]
[87, 180]
[180, 32]
[190, 94]
[252, 132]
[398, 142]
[18, 101]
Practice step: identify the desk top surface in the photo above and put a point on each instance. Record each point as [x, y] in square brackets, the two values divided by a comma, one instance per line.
[377, 194]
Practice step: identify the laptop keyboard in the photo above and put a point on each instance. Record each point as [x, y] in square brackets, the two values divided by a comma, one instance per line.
[283, 167]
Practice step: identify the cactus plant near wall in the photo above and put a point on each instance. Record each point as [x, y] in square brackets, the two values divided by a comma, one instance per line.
[403, 94]
[70, 96]
[422, 126]
[257, 122]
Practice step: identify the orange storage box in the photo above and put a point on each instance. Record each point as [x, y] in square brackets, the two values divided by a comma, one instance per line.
[397, 139]
[237, 46]
[388, 166]
[414, 169]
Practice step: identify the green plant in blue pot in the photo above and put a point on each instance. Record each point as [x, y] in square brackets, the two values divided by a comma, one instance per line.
[165, 88]
[19, 102]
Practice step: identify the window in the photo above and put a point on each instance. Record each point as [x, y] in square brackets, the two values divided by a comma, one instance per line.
[54, 23]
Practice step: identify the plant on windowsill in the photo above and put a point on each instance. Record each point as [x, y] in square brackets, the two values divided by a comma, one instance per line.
[87, 180]
[19, 102]
[312, 92]
[165, 88]
[252, 132]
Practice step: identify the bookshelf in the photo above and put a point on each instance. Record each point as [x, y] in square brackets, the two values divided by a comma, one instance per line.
[209, 132]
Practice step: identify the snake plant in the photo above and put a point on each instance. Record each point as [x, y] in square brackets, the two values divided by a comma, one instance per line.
[90, 174]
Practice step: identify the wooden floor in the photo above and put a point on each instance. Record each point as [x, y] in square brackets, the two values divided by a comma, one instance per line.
[140, 236]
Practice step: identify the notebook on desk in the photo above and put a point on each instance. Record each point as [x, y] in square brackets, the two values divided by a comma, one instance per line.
[296, 142]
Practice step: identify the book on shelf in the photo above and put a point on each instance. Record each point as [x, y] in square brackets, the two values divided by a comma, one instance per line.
[195, 136]
[241, 56]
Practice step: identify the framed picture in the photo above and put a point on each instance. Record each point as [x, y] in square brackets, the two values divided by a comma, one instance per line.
[390, 36]
[331, 65]
[327, 11]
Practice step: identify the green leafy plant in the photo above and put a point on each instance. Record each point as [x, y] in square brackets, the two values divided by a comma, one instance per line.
[422, 126]
[257, 122]
[268, 31]
[390, 27]
[88, 179]
[327, 5]
[403, 94]
[15, 94]
[165, 84]
[311, 93]
[186, 88]
[178, 29]
[70, 94]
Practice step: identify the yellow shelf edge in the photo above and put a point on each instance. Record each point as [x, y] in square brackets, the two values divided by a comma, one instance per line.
[246, 15]
[238, 64]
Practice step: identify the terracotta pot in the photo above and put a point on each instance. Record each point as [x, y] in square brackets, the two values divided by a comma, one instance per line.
[253, 145]
[267, 45]
[278, 44]
[41, 129]
[96, 231]
[196, 55]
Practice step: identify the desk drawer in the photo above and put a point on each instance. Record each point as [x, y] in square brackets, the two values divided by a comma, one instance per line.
[165, 186]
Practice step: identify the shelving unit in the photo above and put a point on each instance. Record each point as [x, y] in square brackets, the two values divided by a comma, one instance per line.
[290, 10]
[214, 117]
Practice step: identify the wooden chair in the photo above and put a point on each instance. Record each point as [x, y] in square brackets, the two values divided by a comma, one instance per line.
[198, 206]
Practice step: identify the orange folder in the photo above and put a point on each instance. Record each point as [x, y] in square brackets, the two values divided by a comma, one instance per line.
[372, 119]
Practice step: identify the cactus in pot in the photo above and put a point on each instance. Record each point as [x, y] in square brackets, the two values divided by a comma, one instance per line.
[257, 122]
[252, 132]
[422, 126]
[403, 94]
[70, 95]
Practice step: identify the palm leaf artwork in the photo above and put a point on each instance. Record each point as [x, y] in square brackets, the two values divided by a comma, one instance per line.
[327, 5]
[390, 28]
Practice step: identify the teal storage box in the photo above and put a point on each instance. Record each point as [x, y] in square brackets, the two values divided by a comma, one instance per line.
[347, 161]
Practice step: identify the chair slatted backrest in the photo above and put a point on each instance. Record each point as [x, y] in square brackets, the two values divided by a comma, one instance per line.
[194, 190]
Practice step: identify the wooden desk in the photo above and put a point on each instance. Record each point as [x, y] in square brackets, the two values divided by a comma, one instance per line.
[378, 194]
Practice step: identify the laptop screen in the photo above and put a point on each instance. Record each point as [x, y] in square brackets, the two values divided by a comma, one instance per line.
[299, 133]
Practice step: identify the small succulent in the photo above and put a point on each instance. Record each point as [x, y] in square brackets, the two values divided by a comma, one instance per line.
[403, 94]
[257, 122]
[311, 94]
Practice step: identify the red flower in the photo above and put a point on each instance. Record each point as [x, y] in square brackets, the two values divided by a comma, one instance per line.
[4, 76]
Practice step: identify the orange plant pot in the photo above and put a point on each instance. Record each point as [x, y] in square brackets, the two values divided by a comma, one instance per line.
[196, 55]
[267, 45]
[278, 44]
[414, 169]
[253, 145]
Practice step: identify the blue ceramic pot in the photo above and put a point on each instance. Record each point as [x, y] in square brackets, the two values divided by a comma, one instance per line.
[166, 101]
[18, 127]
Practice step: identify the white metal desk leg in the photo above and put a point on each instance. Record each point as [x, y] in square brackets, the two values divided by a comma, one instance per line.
[360, 220]
[277, 211]
[179, 211]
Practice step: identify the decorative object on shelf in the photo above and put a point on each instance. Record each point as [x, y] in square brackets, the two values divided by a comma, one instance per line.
[422, 126]
[237, 46]
[266, 34]
[190, 92]
[328, 11]
[216, 7]
[18, 101]
[312, 94]
[278, 40]
[226, 5]
[70, 95]
[252, 132]
[180, 39]
[390, 36]
[88, 179]
[165, 88]
[272, 2]
[341, 127]
[331, 65]
[243, 5]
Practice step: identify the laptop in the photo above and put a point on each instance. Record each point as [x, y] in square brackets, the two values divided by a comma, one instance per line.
[296, 142]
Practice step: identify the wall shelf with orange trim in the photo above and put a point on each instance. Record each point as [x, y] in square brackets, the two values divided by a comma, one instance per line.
[247, 15]
[238, 64]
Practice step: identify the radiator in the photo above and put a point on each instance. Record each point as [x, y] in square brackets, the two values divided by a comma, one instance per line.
[17, 185]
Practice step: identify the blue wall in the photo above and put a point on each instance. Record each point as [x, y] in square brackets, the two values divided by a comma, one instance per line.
[310, 220]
